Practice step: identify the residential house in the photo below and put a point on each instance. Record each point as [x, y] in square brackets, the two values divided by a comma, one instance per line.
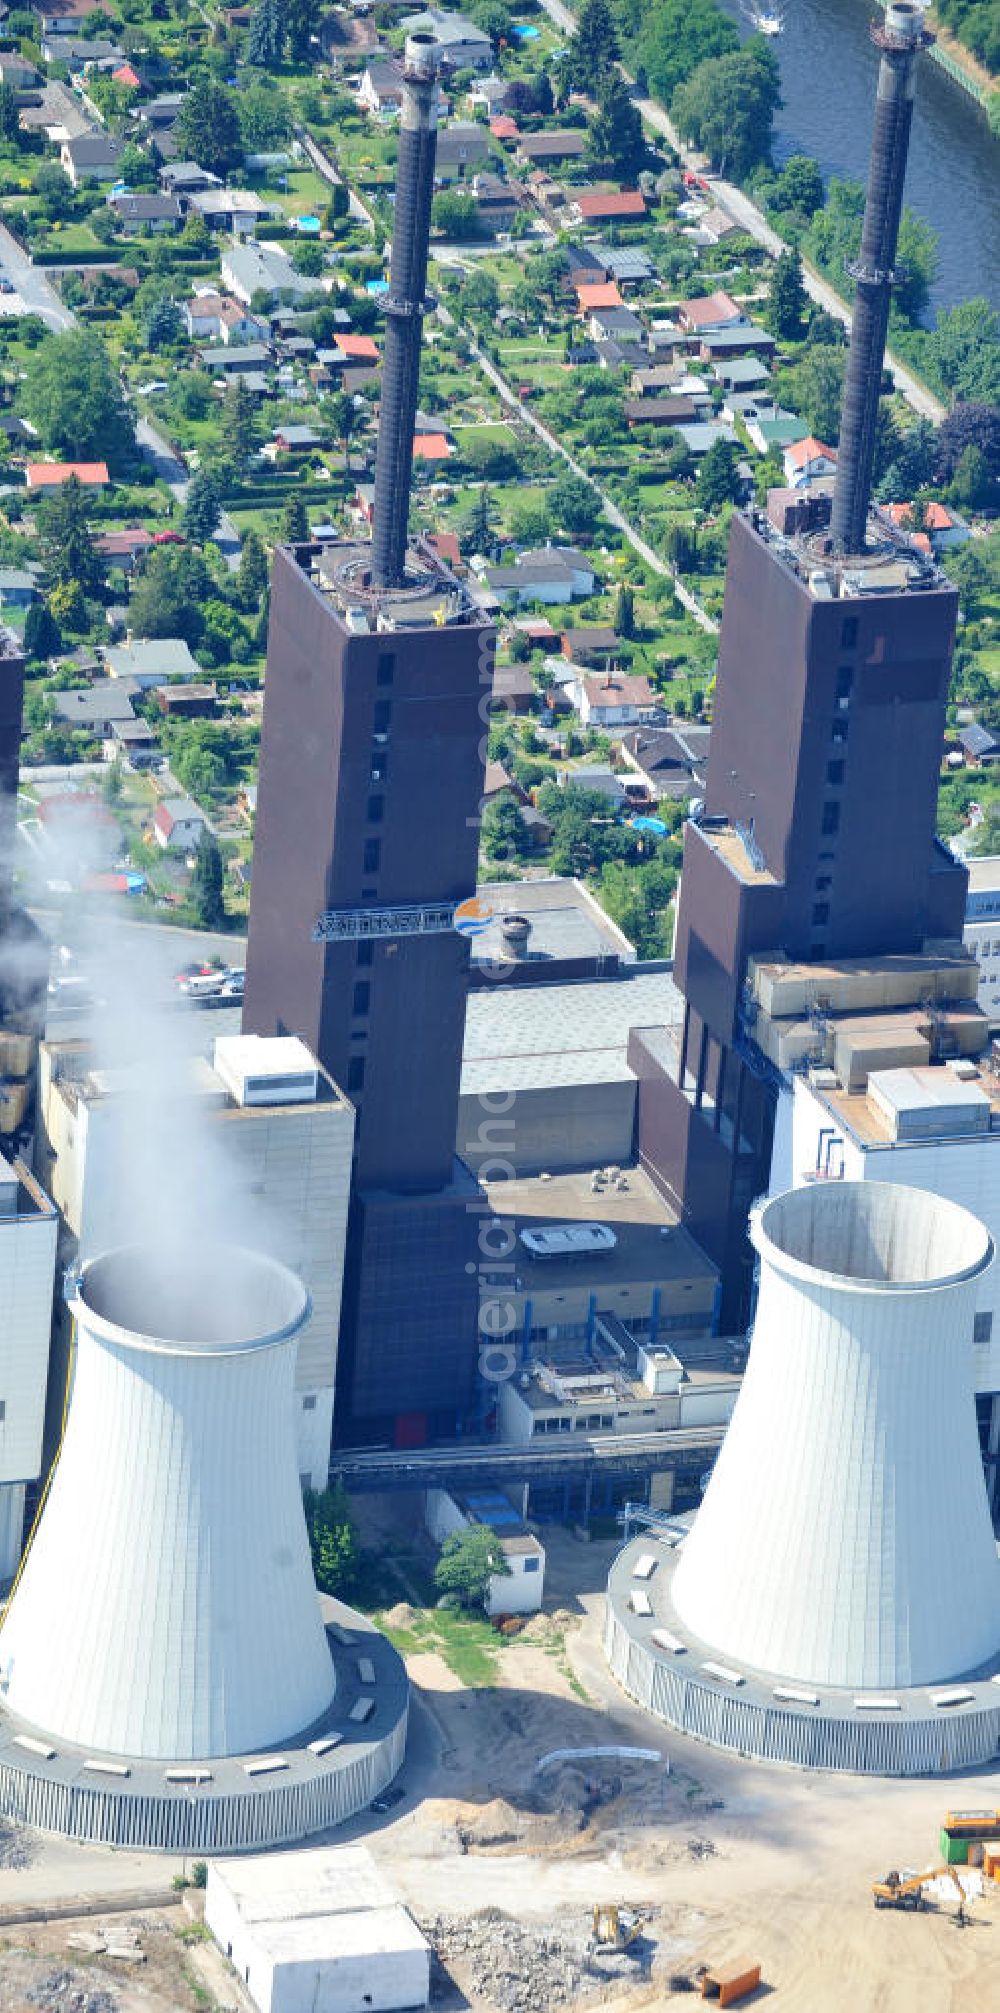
[601, 206]
[133, 742]
[18, 587]
[535, 149]
[250, 269]
[538, 829]
[710, 311]
[942, 527]
[16, 71]
[627, 264]
[465, 46]
[489, 93]
[446, 545]
[63, 17]
[702, 434]
[235, 210]
[741, 373]
[80, 52]
[670, 761]
[603, 780]
[979, 745]
[52, 474]
[504, 128]
[356, 349]
[746, 406]
[212, 317]
[807, 458]
[381, 88]
[613, 699]
[742, 339]
[554, 574]
[498, 782]
[146, 663]
[95, 708]
[178, 825]
[660, 411]
[147, 212]
[461, 146]
[162, 110]
[188, 702]
[594, 294]
[711, 226]
[497, 202]
[125, 548]
[618, 353]
[15, 430]
[293, 440]
[615, 325]
[591, 644]
[513, 688]
[778, 429]
[185, 178]
[93, 157]
[432, 447]
[236, 359]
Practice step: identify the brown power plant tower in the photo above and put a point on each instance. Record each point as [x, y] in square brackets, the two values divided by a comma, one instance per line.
[817, 836]
[379, 678]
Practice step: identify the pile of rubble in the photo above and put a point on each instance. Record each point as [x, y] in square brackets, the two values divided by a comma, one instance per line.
[69, 1992]
[520, 1967]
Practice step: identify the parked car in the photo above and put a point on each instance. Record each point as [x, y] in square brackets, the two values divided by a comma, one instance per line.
[388, 1798]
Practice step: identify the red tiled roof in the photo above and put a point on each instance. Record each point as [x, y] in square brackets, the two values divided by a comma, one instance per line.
[360, 347]
[599, 294]
[809, 449]
[620, 203]
[623, 688]
[504, 127]
[126, 75]
[430, 447]
[50, 474]
[709, 309]
[446, 546]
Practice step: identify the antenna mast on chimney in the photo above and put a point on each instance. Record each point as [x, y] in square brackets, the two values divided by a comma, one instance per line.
[405, 309]
[900, 40]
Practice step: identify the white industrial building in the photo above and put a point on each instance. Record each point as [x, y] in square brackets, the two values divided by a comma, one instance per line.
[981, 934]
[317, 1932]
[28, 1229]
[285, 1136]
[518, 1591]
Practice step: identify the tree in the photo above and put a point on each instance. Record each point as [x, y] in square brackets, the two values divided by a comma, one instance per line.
[480, 295]
[240, 428]
[208, 127]
[202, 508]
[339, 205]
[913, 465]
[73, 397]
[69, 607]
[69, 554]
[266, 39]
[41, 631]
[10, 129]
[469, 1560]
[727, 107]
[530, 523]
[917, 260]
[786, 298]
[54, 191]
[456, 216]
[309, 258]
[799, 186]
[615, 140]
[595, 48]
[302, 18]
[968, 425]
[574, 505]
[207, 884]
[344, 419]
[196, 234]
[163, 325]
[965, 351]
[625, 612]
[674, 36]
[502, 834]
[251, 577]
[169, 594]
[814, 388]
[333, 1540]
[476, 534]
[718, 478]
[295, 523]
[972, 484]
[264, 119]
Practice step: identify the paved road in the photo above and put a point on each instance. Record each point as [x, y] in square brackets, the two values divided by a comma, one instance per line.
[746, 214]
[509, 398]
[173, 471]
[33, 293]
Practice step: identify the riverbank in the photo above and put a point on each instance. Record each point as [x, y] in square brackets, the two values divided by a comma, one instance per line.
[960, 64]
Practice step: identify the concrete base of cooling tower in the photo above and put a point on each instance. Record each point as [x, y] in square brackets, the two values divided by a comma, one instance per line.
[235, 1805]
[742, 1713]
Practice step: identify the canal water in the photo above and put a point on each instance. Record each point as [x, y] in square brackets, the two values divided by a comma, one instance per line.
[828, 71]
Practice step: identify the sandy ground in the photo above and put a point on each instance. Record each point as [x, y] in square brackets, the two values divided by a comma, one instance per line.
[736, 1859]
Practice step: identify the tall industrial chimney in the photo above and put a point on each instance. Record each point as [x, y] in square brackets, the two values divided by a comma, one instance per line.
[900, 39]
[405, 309]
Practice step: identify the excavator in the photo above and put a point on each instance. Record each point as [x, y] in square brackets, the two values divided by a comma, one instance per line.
[614, 1928]
[906, 1890]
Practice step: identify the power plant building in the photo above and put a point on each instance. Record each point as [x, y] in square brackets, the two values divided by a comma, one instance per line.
[28, 1233]
[379, 685]
[283, 1135]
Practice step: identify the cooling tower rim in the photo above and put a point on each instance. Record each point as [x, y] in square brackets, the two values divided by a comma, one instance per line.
[879, 1198]
[270, 1272]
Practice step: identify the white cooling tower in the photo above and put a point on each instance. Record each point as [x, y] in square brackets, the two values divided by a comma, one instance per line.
[167, 1608]
[845, 1538]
